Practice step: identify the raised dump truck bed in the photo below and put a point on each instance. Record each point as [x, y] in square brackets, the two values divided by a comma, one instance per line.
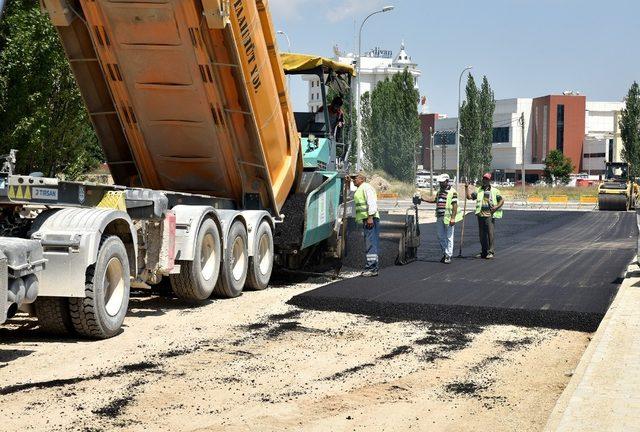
[185, 95]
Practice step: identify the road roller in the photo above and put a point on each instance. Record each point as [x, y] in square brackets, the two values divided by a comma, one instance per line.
[618, 192]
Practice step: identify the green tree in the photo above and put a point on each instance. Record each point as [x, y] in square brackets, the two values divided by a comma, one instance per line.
[486, 108]
[476, 129]
[43, 115]
[394, 130]
[557, 167]
[470, 133]
[630, 129]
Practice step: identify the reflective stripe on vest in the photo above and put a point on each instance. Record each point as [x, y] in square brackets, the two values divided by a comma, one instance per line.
[492, 202]
[360, 200]
[448, 211]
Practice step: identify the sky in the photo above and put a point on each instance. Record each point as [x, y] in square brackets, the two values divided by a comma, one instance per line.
[526, 48]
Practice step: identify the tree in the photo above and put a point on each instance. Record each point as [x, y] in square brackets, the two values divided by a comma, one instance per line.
[476, 129]
[557, 167]
[630, 129]
[470, 137]
[486, 108]
[394, 128]
[43, 115]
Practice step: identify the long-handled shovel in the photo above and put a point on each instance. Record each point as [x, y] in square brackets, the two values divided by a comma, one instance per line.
[464, 213]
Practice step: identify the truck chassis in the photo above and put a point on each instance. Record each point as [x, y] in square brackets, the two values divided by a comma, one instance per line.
[71, 251]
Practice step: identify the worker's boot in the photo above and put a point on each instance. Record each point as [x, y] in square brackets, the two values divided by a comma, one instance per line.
[490, 256]
[369, 273]
[447, 259]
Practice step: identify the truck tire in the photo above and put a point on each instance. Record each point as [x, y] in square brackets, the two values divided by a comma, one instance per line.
[235, 263]
[100, 314]
[261, 263]
[53, 315]
[197, 278]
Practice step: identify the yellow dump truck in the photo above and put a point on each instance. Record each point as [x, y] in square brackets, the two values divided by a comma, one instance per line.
[189, 102]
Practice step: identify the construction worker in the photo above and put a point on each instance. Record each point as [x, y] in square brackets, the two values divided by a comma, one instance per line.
[447, 215]
[489, 205]
[366, 202]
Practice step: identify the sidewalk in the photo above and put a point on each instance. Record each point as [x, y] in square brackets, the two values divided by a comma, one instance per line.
[604, 393]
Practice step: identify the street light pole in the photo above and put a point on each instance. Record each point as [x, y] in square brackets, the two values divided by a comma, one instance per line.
[468, 68]
[359, 152]
[283, 33]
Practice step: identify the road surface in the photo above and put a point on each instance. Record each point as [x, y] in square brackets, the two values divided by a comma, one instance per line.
[552, 269]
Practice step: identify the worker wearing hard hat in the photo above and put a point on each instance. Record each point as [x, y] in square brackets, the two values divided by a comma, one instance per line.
[489, 205]
[447, 215]
[366, 203]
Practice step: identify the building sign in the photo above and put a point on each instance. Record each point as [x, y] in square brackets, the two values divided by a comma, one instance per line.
[378, 52]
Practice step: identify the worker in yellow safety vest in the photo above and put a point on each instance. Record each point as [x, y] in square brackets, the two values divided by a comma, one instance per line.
[366, 203]
[489, 205]
[447, 215]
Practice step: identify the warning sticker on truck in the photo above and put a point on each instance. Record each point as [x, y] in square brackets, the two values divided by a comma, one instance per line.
[322, 209]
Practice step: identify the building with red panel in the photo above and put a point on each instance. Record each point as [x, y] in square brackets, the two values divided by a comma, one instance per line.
[585, 131]
[558, 123]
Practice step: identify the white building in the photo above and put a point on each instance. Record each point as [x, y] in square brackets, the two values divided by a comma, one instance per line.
[602, 142]
[507, 138]
[376, 66]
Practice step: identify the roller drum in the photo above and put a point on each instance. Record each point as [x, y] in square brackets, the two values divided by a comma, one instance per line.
[612, 202]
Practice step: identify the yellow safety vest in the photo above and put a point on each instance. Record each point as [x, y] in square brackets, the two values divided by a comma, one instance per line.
[360, 200]
[493, 201]
[448, 211]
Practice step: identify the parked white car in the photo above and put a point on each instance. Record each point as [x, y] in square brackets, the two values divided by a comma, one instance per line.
[422, 182]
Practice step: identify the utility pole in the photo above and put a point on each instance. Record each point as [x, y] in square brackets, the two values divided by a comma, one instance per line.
[524, 146]
[415, 164]
[431, 154]
[444, 153]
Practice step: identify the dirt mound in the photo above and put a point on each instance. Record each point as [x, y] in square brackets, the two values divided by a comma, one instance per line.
[380, 184]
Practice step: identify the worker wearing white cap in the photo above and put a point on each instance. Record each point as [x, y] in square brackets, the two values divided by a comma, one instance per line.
[447, 215]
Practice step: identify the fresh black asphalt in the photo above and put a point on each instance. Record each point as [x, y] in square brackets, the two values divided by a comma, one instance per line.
[552, 269]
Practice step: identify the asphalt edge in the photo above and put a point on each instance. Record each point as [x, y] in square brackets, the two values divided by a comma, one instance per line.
[600, 337]
[451, 314]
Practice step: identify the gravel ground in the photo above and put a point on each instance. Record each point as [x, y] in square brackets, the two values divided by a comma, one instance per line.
[255, 363]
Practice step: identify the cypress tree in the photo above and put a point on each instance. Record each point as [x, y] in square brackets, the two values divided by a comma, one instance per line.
[470, 137]
[630, 129]
[487, 106]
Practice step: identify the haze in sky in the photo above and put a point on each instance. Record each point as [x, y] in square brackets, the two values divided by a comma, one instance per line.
[527, 48]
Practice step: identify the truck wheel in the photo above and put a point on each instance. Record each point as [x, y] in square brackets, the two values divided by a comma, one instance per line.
[235, 263]
[53, 315]
[197, 278]
[101, 312]
[261, 264]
